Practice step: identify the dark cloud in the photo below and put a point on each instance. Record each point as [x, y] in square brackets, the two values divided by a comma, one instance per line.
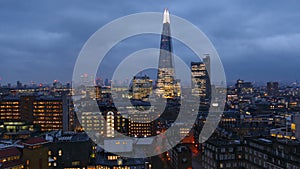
[256, 40]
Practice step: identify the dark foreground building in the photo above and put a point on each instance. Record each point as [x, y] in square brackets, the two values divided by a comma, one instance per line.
[70, 150]
[252, 153]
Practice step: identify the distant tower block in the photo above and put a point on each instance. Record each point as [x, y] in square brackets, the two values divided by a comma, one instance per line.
[200, 79]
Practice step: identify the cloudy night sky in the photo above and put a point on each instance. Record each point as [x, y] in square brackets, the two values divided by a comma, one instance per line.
[257, 40]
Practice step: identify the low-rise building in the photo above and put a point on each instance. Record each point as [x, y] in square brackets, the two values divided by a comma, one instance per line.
[10, 158]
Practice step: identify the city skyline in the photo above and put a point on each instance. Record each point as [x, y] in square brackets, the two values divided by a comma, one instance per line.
[137, 94]
[252, 46]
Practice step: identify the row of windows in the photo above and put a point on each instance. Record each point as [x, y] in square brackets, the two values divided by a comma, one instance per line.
[9, 159]
[47, 103]
[8, 102]
[9, 106]
[6, 110]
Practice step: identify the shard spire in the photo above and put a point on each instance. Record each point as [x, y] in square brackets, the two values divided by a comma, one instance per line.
[166, 18]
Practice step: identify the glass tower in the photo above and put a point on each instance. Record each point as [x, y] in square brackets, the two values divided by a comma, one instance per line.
[165, 86]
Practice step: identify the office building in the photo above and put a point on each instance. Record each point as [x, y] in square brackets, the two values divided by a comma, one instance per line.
[52, 113]
[46, 112]
[140, 124]
[200, 79]
[91, 122]
[105, 123]
[141, 88]
[10, 109]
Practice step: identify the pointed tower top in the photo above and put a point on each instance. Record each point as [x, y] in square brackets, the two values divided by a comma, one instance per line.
[166, 16]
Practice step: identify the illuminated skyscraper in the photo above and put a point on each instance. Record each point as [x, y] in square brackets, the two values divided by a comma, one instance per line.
[166, 75]
[200, 78]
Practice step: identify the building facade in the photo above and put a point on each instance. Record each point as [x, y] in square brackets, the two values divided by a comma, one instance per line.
[252, 153]
[46, 112]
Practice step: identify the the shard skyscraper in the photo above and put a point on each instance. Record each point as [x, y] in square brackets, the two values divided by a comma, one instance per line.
[166, 86]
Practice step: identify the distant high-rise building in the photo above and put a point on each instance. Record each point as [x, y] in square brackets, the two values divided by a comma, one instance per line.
[19, 85]
[200, 79]
[272, 88]
[141, 88]
[243, 88]
[166, 82]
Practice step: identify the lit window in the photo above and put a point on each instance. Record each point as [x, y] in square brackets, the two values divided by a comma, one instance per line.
[293, 126]
[74, 163]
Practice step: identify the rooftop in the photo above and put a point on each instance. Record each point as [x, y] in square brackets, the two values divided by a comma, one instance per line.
[8, 152]
[35, 141]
